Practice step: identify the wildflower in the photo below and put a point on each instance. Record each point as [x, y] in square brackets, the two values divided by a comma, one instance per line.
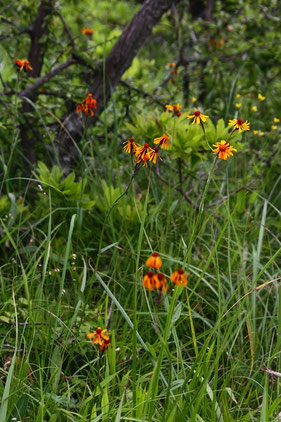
[130, 146]
[87, 105]
[144, 161]
[163, 141]
[238, 105]
[142, 151]
[148, 281]
[172, 64]
[238, 95]
[255, 132]
[179, 278]
[176, 108]
[198, 117]
[99, 336]
[261, 133]
[255, 109]
[87, 31]
[23, 64]
[160, 282]
[261, 97]
[193, 99]
[223, 149]
[154, 155]
[239, 124]
[105, 344]
[154, 261]
[274, 127]
[276, 120]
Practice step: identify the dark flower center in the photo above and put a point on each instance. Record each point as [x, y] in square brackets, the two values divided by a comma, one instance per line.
[180, 271]
[98, 331]
[131, 139]
[155, 254]
[197, 113]
[150, 274]
[161, 277]
[146, 146]
[156, 150]
[240, 122]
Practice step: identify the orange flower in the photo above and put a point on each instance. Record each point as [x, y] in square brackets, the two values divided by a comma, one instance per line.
[105, 344]
[154, 155]
[239, 124]
[198, 117]
[223, 150]
[23, 64]
[87, 31]
[99, 336]
[172, 64]
[148, 280]
[160, 282]
[154, 261]
[179, 278]
[163, 141]
[87, 105]
[176, 108]
[130, 146]
[141, 152]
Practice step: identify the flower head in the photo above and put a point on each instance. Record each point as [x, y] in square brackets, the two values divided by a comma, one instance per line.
[176, 108]
[171, 64]
[274, 127]
[255, 109]
[154, 155]
[87, 105]
[179, 278]
[163, 141]
[223, 150]
[261, 97]
[154, 261]
[87, 31]
[255, 132]
[160, 282]
[130, 146]
[143, 151]
[238, 105]
[98, 336]
[104, 345]
[23, 64]
[276, 120]
[238, 95]
[148, 280]
[239, 124]
[193, 99]
[198, 117]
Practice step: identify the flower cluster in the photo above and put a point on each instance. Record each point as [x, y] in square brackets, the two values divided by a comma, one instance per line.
[144, 153]
[87, 31]
[23, 64]
[157, 281]
[87, 105]
[174, 108]
[101, 338]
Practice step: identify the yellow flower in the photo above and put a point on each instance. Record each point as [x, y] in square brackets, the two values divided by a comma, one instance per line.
[87, 31]
[255, 132]
[163, 141]
[105, 344]
[154, 155]
[255, 109]
[154, 261]
[239, 124]
[238, 105]
[261, 133]
[261, 97]
[130, 146]
[276, 120]
[179, 278]
[223, 150]
[141, 152]
[274, 127]
[197, 117]
[99, 335]
[193, 99]
[169, 107]
[238, 96]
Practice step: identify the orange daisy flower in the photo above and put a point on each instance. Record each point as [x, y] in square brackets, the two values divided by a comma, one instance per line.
[99, 336]
[176, 108]
[130, 146]
[198, 117]
[223, 150]
[87, 105]
[148, 280]
[239, 124]
[160, 282]
[163, 141]
[171, 64]
[105, 344]
[23, 64]
[142, 151]
[87, 31]
[154, 261]
[179, 278]
[154, 155]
